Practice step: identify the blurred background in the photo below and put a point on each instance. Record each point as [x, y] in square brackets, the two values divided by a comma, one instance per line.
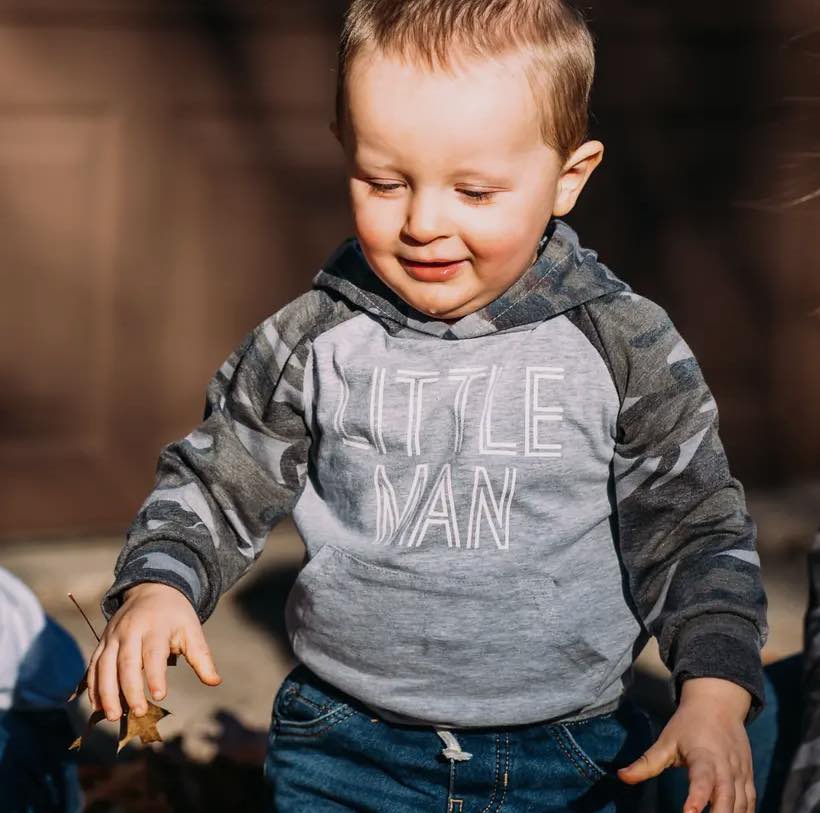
[168, 179]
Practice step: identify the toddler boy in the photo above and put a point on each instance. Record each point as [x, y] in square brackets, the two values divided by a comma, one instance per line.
[503, 463]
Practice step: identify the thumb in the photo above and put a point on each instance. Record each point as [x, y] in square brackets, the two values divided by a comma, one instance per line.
[654, 761]
[199, 657]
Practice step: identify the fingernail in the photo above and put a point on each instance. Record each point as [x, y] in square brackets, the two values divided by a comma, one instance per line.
[157, 695]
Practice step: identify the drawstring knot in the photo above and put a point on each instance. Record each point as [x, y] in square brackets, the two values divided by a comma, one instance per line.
[453, 748]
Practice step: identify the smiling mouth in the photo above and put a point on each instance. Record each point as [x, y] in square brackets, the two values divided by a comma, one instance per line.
[431, 272]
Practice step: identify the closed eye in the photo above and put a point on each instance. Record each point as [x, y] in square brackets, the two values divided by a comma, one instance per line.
[476, 195]
[382, 188]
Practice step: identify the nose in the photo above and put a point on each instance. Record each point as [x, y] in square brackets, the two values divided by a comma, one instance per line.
[426, 219]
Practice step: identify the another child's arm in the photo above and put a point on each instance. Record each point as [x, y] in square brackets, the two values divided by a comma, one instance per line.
[217, 494]
[685, 537]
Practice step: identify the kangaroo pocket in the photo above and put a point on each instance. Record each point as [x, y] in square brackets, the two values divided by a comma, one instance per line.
[439, 648]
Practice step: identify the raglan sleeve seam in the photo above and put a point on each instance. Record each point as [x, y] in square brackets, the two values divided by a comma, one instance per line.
[607, 353]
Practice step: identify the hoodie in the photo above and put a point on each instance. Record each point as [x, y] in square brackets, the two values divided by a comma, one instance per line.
[497, 512]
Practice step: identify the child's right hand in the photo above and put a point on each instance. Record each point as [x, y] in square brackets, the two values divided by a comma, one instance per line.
[154, 621]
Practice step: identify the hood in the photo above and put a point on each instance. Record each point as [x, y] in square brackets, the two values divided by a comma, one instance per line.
[563, 276]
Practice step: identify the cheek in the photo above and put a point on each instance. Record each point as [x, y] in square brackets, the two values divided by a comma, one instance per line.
[504, 232]
[497, 245]
[373, 223]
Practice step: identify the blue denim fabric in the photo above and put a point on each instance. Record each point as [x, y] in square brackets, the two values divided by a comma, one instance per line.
[326, 752]
[38, 774]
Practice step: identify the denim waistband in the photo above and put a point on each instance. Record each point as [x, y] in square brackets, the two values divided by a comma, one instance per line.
[305, 675]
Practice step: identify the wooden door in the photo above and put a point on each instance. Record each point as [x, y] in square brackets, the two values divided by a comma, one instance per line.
[167, 179]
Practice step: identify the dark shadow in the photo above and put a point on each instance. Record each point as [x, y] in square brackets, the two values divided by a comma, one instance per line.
[652, 693]
[165, 780]
[261, 599]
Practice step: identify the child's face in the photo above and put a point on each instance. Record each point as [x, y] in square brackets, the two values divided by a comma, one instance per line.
[452, 168]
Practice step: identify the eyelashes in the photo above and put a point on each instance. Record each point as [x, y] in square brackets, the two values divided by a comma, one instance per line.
[384, 190]
[475, 195]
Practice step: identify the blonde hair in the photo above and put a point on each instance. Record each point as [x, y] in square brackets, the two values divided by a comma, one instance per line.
[554, 34]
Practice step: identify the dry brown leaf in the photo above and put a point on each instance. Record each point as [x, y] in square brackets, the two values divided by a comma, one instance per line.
[144, 727]
[92, 721]
[131, 726]
[81, 687]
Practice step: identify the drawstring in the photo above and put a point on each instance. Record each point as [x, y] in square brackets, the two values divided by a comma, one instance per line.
[453, 749]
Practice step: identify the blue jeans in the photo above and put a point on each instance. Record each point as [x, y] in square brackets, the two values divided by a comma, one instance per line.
[326, 752]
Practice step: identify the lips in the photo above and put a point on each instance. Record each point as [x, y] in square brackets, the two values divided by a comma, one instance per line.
[431, 271]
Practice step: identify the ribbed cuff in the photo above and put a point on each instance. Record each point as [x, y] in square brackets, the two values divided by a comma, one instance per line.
[720, 645]
[163, 562]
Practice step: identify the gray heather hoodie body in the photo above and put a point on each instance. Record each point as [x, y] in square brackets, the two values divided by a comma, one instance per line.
[496, 512]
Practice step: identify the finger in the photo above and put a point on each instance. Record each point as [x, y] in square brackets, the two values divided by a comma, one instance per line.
[723, 798]
[701, 785]
[741, 803]
[129, 671]
[654, 761]
[107, 686]
[199, 656]
[154, 659]
[91, 678]
[751, 797]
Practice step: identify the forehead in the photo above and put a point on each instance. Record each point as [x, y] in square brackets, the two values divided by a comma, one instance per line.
[479, 106]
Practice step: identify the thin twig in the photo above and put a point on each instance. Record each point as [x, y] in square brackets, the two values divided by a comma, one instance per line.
[91, 627]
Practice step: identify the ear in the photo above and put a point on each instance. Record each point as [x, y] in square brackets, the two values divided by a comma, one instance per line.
[574, 175]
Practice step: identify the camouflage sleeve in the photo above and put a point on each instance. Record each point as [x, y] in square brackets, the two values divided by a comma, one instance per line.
[802, 790]
[686, 539]
[220, 489]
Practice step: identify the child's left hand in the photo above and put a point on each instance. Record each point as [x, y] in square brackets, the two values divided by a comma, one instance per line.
[706, 734]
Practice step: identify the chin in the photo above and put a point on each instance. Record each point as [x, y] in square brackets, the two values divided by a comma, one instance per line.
[447, 302]
[437, 300]
[438, 310]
